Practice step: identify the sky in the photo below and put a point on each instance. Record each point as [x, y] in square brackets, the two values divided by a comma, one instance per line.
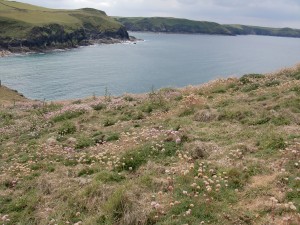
[273, 13]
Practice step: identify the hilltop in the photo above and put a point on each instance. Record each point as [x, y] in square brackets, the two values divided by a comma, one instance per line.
[176, 25]
[225, 152]
[25, 27]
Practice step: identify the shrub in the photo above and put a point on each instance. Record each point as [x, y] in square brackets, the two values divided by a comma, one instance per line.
[296, 89]
[98, 137]
[99, 106]
[250, 87]
[187, 112]
[113, 137]
[117, 205]
[68, 115]
[296, 76]
[219, 90]
[6, 117]
[86, 171]
[281, 120]
[108, 176]
[147, 108]
[133, 159]
[237, 178]
[293, 104]
[261, 121]
[234, 115]
[272, 83]
[67, 128]
[108, 122]
[128, 98]
[246, 79]
[84, 142]
[271, 142]
[77, 102]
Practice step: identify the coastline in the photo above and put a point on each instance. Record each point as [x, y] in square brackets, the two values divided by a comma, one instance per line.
[26, 50]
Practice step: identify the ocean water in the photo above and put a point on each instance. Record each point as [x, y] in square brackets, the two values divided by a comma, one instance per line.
[162, 60]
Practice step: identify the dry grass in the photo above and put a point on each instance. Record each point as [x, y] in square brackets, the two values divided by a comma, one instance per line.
[226, 152]
[9, 96]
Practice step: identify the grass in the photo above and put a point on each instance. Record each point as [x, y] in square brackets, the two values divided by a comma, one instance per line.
[9, 96]
[19, 21]
[211, 154]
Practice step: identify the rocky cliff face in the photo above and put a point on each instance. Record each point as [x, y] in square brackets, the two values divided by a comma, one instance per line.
[56, 36]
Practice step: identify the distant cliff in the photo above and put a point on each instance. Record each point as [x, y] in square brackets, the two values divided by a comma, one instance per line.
[25, 27]
[175, 25]
[172, 25]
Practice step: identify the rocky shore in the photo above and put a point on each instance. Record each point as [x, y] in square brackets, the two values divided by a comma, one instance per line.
[4, 53]
[44, 49]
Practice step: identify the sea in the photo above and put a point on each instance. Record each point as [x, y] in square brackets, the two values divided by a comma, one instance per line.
[158, 60]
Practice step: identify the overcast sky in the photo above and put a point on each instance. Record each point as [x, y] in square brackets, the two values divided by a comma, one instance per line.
[275, 13]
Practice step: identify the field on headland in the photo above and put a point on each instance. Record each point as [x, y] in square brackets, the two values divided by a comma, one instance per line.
[226, 152]
[25, 27]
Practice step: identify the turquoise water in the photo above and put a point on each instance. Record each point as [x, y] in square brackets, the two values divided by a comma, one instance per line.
[162, 60]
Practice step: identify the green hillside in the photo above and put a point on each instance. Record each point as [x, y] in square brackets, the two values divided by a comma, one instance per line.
[175, 25]
[172, 25]
[267, 31]
[32, 26]
[223, 153]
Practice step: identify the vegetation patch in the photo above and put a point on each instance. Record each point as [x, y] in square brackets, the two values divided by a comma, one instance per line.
[196, 155]
[68, 115]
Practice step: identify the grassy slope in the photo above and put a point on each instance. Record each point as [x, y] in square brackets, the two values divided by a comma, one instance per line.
[7, 95]
[17, 20]
[161, 24]
[222, 153]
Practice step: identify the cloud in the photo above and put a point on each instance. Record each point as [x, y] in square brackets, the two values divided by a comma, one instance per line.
[276, 13]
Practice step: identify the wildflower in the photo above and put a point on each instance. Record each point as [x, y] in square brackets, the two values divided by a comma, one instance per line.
[153, 204]
[292, 206]
[274, 200]
[170, 188]
[178, 140]
[157, 206]
[188, 212]
[193, 185]
[184, 192]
